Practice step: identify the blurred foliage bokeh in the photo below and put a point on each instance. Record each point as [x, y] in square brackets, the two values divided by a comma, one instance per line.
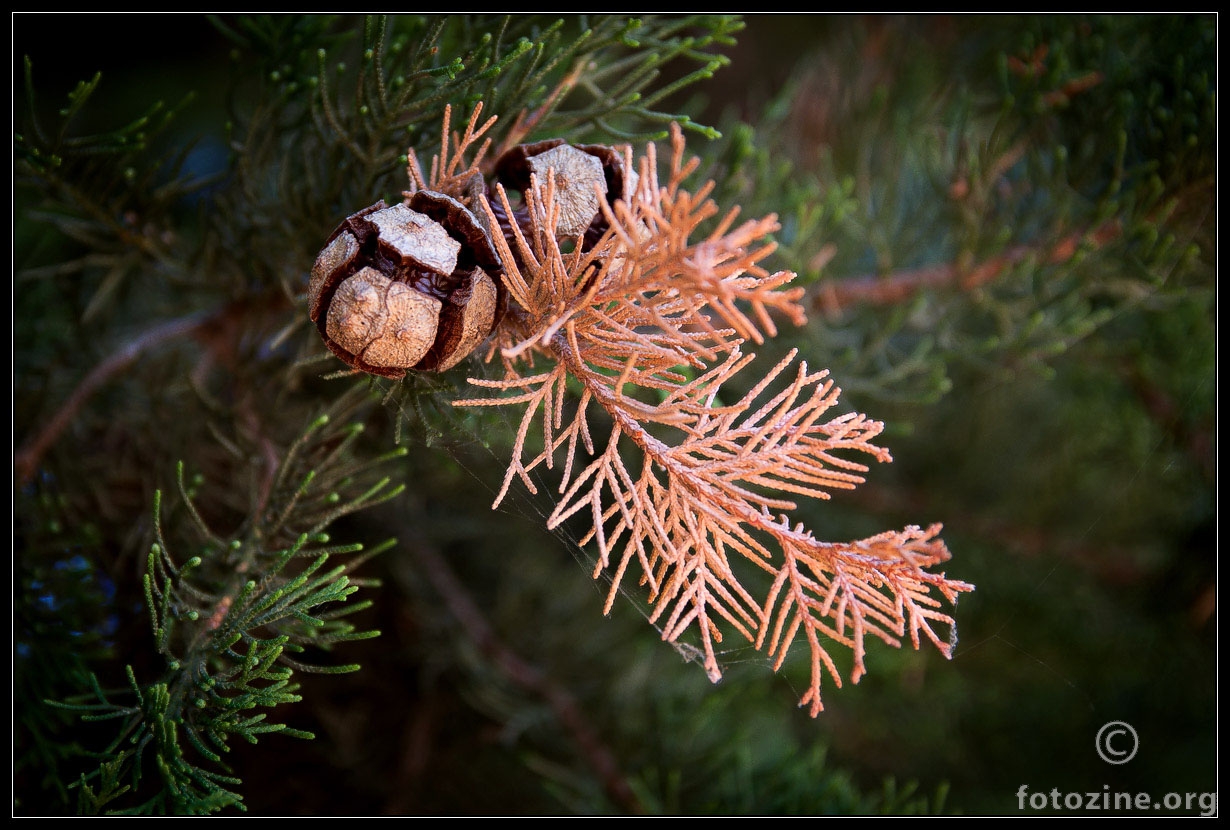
[1006, 226]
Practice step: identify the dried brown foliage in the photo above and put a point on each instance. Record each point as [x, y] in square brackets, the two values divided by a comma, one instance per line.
[649, 324]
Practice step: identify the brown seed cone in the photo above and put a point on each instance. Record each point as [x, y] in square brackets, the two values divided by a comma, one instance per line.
[575, 181]
[393, 287]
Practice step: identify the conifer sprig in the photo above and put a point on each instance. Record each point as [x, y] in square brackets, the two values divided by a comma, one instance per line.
[233, 623]
[651, 324]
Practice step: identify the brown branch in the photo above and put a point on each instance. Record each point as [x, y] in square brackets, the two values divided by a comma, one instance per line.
[1114, 565]
[599, 757]
[26, 459]
[888, 289]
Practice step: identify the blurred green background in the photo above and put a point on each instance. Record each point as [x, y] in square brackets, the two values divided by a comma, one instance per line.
[1076, 483]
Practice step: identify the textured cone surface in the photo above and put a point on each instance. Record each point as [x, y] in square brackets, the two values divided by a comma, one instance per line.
[357, 312]
[578, 180]
[409, 330]
[381, 322]
[465, 325]
[331, 260]
[413, 237]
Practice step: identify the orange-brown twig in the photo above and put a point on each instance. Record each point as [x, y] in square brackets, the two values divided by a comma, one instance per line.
[873, 289]
[651, 308]
[527, 121]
